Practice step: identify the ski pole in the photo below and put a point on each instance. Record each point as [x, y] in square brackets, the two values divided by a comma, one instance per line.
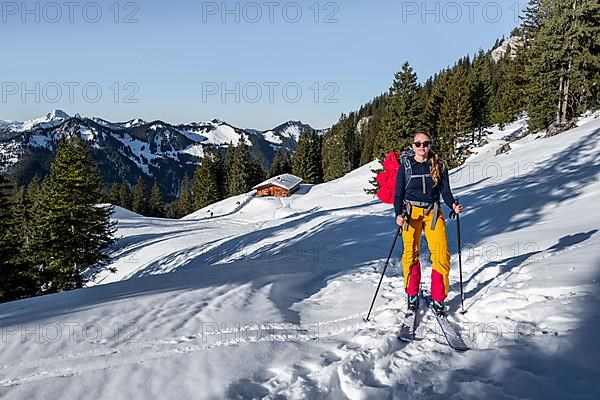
[398, 231]
[462, 293]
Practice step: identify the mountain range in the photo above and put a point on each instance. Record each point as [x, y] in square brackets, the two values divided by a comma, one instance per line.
[156, 150]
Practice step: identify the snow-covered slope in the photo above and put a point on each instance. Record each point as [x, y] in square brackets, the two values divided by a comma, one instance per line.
[266, 298]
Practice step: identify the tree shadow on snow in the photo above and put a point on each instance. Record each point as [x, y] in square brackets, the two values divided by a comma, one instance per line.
[498, 268]
[519, 202]
[297, 266]
[537, 363]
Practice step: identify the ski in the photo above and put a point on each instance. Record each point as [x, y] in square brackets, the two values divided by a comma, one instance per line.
[409, 325]
[449, 330]
[407, 329]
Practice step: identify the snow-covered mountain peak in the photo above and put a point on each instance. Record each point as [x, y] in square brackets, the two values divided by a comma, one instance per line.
[57, 114]
[134, 122]
[50, 120]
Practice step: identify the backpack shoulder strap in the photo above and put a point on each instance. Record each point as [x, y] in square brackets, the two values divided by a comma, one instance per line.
[405, 160]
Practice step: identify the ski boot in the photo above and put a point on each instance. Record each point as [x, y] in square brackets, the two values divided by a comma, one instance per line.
[413, 303]
[439, 308]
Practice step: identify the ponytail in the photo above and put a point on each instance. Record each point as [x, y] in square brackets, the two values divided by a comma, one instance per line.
[437, 166]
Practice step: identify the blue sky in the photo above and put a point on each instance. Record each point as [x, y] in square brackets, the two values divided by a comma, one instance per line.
[253, 64]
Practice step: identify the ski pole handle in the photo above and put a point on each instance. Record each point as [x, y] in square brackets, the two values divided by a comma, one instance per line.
[452, 214]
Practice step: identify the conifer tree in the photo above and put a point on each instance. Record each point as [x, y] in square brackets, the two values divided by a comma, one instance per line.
[227, 163]
[124, 195]
[185, 205]
[276, 164]
[139, 197]
[19, 208]
[455, 117]
[510, 98]
[433, 106]
[21, 279]
[369, 135]
[374, 111]
[257, 171]
[73, 233]
[238, 169]
[481, 94]
[340, 148]
[206, 185]
[172, 210]
[281, 164]
[156, 205]
[402, 115]
[219, 168]
[8, 270]
[113, 195]
[307, 161]
[35, 197]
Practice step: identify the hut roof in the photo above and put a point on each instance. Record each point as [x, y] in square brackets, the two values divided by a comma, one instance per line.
[285, 181]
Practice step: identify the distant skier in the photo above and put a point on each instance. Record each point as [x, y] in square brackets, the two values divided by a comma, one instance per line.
[416, 205]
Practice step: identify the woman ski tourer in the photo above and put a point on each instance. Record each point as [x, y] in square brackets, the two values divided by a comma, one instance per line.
[420, 181]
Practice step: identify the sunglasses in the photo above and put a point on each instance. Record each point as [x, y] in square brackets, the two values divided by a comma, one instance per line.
[425, 144]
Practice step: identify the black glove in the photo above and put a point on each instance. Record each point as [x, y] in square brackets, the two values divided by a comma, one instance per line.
[452, 214]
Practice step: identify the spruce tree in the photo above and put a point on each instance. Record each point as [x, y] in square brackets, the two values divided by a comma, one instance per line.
[402, 115]
[139, 197]
[481, 94]
[433, 105]
[456, 119]
[19, 208]
[206, 185]
[281, 164]
[185, 205]
[8, 270]
[73, 233]
[172, 210]
[510, 97]
[276, 165]
[22, 280]
[307, 160]
[219, 168]
[369, 135]
[227, 163]
[124, 195]
[257, 171]
[113, 195]
[156, 206]
[333, 151]
[35, 196]
[238, 169]
[340, 148]
[375, 112]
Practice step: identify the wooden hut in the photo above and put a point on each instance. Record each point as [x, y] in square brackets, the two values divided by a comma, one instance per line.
[278, 186]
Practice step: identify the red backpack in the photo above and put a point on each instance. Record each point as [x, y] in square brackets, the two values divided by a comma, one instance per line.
[387, 178]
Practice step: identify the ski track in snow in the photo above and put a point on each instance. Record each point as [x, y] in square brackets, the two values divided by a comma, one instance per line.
[352, 362]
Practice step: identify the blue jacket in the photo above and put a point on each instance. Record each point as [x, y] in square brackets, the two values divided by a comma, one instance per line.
[415, 192]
